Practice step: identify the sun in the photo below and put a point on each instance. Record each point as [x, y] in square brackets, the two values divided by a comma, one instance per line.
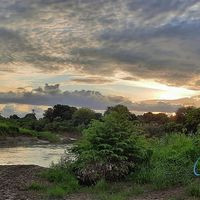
[173, 93]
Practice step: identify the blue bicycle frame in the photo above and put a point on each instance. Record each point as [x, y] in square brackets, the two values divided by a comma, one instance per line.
[196, 173]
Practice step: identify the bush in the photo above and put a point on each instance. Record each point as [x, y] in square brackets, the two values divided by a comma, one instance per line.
[172, 161]
[110, 149]
[51, 137]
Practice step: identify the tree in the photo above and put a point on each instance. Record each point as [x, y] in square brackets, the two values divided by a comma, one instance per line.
[160, 118]
[121, 109]
[83, 116]
[180, 116]
[15, 117]
[30, 116]
[63, 112]
[48, 114]
[110, 149]
[192, 120]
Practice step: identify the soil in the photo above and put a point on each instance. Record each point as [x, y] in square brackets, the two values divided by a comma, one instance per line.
[14, 182]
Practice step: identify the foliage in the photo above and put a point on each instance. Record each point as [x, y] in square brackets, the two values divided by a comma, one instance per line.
[193, 189]
[172, 161]
[192, 120]
[83, 116]
[122, 110]
[15, 117]
[56, 192]
[63, 181]
[7, 129]
[36, 187]
[64, 112]
[115, 191]
[51, 137]
[110, 149]
[160, 118]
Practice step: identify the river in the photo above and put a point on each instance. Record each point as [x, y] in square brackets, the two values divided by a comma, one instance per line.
[42, 155]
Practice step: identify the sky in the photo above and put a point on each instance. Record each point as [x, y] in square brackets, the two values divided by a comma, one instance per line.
[99, 53]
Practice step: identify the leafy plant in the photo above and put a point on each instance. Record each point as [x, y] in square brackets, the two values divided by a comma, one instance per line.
[110, 149]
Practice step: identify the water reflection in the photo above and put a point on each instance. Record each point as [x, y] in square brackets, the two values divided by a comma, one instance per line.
[42, 155]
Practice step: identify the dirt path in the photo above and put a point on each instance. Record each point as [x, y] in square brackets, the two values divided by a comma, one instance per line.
[14, 181]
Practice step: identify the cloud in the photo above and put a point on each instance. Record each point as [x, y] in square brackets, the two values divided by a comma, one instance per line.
[51, 95]
[21, 110]
[92, 80]
[154, 39]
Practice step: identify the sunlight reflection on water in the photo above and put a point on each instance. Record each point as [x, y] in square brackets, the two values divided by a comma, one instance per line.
[42, 155]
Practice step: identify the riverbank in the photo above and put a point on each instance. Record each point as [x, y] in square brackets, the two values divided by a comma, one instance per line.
[16, 180]
[8, 141]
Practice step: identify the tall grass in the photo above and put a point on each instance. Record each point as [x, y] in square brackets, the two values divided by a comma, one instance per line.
[62, 181]
[172, 161]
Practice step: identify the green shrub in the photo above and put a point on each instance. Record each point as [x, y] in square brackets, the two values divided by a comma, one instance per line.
[7, 129]
[51, 137]
[172, 161]
[110, 149]
[62, 178]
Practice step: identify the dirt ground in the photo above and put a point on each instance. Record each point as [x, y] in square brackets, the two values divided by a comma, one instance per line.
[15, 179]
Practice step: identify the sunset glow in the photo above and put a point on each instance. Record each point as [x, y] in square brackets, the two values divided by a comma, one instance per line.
[101, 53]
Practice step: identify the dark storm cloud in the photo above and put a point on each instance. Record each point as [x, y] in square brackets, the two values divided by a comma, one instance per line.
[51, 95]
[154, 39]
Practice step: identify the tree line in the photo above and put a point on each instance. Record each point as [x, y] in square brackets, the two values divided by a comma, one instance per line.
[65, 118]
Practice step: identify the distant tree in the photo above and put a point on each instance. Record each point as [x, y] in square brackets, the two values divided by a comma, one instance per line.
[180, 116]
[48, 114]
[15, 117]
[121, 109]
[160, 118]
[98, 116]
[30, 116]
[173, 127]
[192, 120]
[63, 112]
[83, 116]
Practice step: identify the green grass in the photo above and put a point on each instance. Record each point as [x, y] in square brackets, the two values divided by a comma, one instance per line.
[36, 187]
[115, 191]
[51, 137]
[7, 129]
[193, 189]
[63, 182]
[56, 192]
[171, 163]
[12, 130]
